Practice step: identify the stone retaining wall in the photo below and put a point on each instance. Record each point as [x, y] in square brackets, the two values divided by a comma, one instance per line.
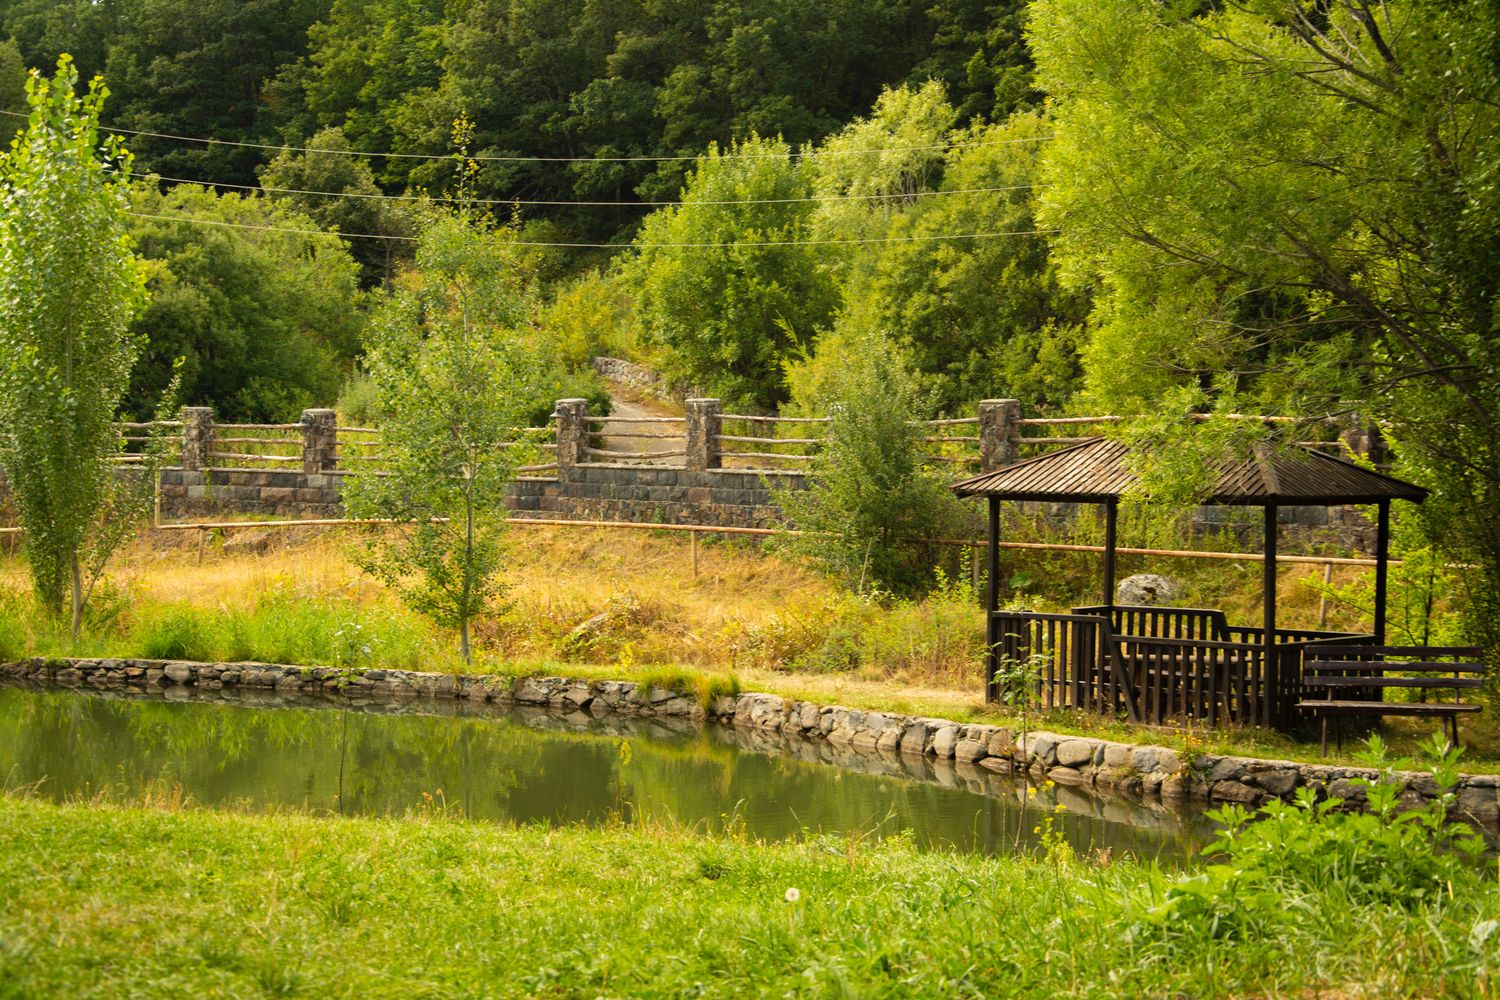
[1140, 772]
[592, 492]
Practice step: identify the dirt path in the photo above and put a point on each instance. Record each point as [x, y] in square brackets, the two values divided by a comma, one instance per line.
[632, 405]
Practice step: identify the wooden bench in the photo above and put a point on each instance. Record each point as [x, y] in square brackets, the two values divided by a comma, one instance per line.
[1355, 678]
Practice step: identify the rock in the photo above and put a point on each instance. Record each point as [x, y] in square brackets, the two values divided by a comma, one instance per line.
[585, 632]
[248, 543]
[1000, 765]
[890, 739]
[943, 742]
[1067, 776]
[1278, 781]
[1148, 589]
[178, 673]
[1002, 743]
[1479, 805]
[970, 750]
[1227, 769]
[1117, 755]
[1178, 786]
[1234, 791]
[914, 738]
[1075, 753]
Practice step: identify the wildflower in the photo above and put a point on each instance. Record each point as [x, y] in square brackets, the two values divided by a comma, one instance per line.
[793, 894]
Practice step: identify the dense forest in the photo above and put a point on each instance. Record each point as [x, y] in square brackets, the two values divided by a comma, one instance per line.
[1150, 207]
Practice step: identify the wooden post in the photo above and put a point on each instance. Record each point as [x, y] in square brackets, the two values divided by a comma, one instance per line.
[1111, 519]
[1323, 597]
[992, 602]
[694, 536]
[1382, 557]
[1271, 710]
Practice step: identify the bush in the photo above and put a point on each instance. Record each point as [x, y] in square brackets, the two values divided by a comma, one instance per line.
[1384, 857]
[871, 508]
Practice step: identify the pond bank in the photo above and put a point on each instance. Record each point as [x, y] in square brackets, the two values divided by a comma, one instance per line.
[1145, 773]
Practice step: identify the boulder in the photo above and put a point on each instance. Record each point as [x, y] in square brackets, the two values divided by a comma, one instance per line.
[1149, 588]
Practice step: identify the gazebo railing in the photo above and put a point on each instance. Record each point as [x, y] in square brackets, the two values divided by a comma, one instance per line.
[1156, 665]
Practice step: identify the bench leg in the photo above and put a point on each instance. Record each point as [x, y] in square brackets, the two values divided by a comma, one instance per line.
[1323, 743]
[1454, 717]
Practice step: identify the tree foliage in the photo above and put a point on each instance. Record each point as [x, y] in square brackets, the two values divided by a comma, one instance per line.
[265, 320]
[871, 510]
[453, 385]
[731, 288]
[1294, 208]
[69, 288]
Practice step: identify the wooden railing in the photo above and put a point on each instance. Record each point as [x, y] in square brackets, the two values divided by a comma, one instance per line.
[1157, 665]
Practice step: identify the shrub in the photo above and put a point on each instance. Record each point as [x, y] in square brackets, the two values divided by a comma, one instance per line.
[15, 637]
[871, 507]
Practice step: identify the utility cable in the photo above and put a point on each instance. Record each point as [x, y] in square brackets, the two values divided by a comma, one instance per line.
[607, 246]
[146, 175]
[559, 159]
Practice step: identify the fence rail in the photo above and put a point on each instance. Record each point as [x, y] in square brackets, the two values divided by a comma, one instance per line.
[995, 435]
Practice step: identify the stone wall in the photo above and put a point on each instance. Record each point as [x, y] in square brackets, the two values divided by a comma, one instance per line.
[1146, 773]
[589, 492]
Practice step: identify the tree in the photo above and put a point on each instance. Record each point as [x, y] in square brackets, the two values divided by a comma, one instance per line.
[69, 288]
[339, 193]
[452, 388]
[871, 509]
[264, 311]
[1291, 207]
[728, 288]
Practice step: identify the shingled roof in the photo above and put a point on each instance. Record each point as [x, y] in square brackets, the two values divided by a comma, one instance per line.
[1098, 470]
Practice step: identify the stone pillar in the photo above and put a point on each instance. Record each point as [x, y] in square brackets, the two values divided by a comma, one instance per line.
[1365, 439]
[998, 433]
[572, 417]
[703, 422]
[320, 441]
[197, 437]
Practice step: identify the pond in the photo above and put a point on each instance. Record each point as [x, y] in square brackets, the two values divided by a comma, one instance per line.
[521, 766]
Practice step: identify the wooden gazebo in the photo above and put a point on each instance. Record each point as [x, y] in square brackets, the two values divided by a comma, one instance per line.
[1155, 663]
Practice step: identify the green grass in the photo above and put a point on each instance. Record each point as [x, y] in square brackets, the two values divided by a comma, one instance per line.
[106, 900]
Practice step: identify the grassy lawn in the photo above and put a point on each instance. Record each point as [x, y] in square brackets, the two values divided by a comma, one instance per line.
[771, 623]
[103, 900]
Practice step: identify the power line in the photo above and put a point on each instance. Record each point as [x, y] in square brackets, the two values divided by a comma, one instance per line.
[557, 159]
[608, 246]
[145, 175]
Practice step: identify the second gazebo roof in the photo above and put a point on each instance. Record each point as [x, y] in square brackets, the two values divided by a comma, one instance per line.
[1098, 470]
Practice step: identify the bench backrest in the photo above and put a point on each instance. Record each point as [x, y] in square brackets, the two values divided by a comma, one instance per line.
[1352, 670]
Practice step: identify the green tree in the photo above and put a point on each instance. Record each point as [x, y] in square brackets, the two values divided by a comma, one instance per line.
[12, 84]
[1292, 207]
[452, 387]
[728, 288]
[264, 311]
[339, 193]
[69, 288]
[872, 508]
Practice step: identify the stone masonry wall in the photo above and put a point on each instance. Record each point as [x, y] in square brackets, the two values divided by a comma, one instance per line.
[1147, 773]
[590, 492]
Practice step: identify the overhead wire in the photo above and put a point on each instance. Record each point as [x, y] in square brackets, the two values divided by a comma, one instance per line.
[940, 237]
[562, 203]
[962, 144]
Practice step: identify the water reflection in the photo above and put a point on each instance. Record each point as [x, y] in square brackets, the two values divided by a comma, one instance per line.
[260, 751]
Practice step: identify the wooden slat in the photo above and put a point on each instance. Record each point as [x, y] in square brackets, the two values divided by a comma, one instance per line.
[1382, 666]
[1387, 707]
[1429, 683]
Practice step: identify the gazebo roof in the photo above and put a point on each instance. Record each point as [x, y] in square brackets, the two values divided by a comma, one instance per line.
[1098, 470]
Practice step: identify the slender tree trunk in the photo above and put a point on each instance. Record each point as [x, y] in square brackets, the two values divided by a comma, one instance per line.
[77, 596]
[463, 641]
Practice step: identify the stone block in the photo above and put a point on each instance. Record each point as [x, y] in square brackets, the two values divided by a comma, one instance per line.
[1075, 753]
